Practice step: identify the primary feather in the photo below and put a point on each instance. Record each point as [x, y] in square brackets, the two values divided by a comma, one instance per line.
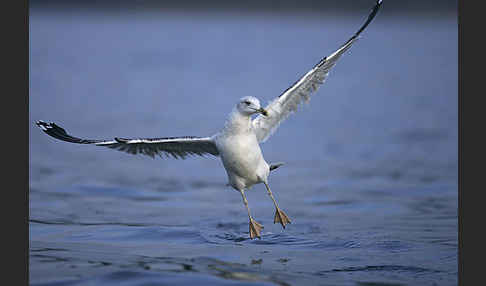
[284, 105]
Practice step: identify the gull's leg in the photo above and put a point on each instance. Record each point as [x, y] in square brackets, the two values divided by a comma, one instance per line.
[280, 216]
[255, 227]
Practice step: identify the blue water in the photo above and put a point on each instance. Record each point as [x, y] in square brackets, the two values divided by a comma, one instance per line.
[370, 175]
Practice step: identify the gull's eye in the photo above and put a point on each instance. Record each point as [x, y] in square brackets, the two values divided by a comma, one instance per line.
[247, 103]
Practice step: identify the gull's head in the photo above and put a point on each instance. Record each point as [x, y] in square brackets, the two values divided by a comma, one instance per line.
[249, 105]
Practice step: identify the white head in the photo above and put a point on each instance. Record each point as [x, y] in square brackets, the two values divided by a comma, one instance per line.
[249, 105]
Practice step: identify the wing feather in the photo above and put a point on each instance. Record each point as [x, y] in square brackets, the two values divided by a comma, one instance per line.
[287, 103]
[176, 147]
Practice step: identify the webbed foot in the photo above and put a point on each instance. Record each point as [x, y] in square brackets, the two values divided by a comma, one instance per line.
[255, 228]
[281, 217]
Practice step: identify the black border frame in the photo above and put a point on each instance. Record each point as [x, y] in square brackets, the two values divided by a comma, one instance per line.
[16, 94]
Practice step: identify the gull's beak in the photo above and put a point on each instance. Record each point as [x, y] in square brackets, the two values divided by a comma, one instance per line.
[263, 111]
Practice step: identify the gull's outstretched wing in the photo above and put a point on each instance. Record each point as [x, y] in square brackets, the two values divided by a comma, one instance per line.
[177, 147]
[281, 107]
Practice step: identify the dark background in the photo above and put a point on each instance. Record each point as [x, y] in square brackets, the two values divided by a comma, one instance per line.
[430, 7]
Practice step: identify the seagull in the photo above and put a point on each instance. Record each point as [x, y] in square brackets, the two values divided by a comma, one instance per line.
[238, 142]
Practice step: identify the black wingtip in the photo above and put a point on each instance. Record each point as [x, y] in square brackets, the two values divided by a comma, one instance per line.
[44, 126]
[58, 132]
[370, 17]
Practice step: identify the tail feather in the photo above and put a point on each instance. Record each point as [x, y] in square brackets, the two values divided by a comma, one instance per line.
[275, 165]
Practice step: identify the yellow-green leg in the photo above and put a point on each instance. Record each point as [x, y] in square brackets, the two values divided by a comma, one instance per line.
[255, 227]
[280, 216]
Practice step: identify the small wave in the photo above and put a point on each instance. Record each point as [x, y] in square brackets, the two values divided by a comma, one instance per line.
[385, 268]
[378, 284]
[231, 237]
[70, 222]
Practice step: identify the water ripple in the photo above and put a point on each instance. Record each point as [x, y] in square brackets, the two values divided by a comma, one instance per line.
[385, 268]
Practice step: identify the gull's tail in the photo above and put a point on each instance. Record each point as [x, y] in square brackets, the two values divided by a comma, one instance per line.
[275, 165]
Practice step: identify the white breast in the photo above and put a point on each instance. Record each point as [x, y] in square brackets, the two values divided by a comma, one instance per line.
[243, 160]
[240, 152]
